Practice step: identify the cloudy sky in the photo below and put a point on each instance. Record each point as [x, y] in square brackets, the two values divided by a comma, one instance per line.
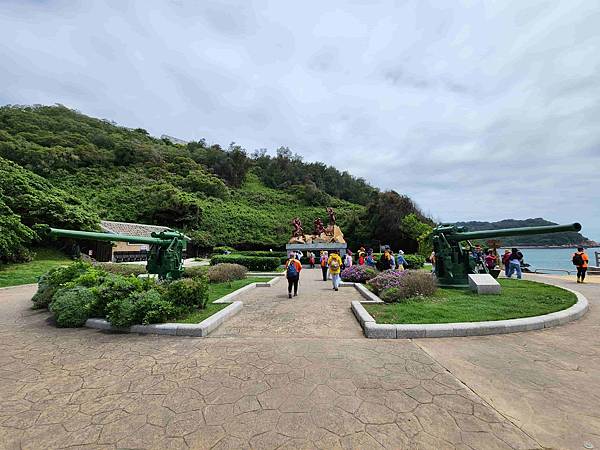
[477, 110]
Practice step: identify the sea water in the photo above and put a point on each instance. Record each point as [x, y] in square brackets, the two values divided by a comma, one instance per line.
[553, 258]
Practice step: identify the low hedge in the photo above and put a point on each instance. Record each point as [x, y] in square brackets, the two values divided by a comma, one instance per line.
[263, 253]
[122, 269]
[255, 263]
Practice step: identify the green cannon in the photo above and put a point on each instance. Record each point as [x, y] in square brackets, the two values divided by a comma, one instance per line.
[454, 262]
[166, 248]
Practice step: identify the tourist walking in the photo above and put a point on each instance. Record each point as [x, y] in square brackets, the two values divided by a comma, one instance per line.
[581, 260]
[335, 266]
[361, 258]
[392, 261]
[490, 259]
[311, 259]
[292, 273]
[432, 261]
[514, 264]
[348, 259]
[400, 261]
[323, 262]
[506, 261]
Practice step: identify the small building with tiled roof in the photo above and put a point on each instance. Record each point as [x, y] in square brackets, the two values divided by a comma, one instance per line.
[117, 251]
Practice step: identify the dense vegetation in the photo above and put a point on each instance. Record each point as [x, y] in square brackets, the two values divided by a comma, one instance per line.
[62, 168]
[565, 238]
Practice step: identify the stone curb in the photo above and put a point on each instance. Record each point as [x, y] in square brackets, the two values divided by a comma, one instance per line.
[201, 329]
[374, 330]
[18, 286]
[367, 294]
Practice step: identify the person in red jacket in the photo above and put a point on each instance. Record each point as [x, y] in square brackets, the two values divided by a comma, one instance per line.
[292, 273]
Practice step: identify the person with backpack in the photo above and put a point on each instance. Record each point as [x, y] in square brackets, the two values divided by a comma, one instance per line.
[514, 264]
[323, 262]
[335, 267]
[580, 260]
[292, 273]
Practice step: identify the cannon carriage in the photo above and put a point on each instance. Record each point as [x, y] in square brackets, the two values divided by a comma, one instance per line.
[454, 261]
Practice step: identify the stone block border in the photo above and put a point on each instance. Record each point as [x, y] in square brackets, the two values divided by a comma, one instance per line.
[201, 329]
[374, 330]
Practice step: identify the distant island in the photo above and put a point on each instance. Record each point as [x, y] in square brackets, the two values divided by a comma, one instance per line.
[566, 239]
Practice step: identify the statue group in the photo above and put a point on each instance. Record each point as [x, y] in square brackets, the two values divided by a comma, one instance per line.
[321, 234]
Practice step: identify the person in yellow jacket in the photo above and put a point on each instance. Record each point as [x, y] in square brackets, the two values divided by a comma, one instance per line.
[335, 267]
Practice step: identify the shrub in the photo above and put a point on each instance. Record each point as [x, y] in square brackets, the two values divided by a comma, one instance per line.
[257, 263]
[117, 287]
[194, 272]
[358, 274]
[150, 307]
[187, 292]
[120, 312]
[386, 280]
[72, 307]
[226, 272]
[54, 279]
[413, 284]
[90, 278]
[141, 308]
[122, 269]
[414, 261]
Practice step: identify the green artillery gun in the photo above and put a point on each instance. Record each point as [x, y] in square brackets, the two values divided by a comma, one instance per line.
[166, 248]
[454, 262]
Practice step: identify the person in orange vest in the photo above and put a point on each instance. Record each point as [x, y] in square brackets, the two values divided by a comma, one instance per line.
[292, 273]
[581, 260]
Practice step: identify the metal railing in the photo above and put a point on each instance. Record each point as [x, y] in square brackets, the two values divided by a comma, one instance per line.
[542, 271]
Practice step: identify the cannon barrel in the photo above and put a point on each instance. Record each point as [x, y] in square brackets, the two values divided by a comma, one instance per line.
[463, 236]
[164, 238]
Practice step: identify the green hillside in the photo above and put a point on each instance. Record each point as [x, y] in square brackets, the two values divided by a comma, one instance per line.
[565, 238]
[62, 168]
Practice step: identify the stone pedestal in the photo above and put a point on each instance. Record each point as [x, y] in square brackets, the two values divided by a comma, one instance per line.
[483, 283]
[318, 246]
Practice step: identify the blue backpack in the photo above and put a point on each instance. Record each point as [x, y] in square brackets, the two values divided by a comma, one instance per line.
[292, 272]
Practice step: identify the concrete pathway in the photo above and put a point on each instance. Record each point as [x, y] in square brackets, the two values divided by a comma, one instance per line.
[317, 311]
[546, 382]
[290, 374]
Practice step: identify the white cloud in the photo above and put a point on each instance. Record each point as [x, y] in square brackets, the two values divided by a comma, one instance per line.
[477, 110]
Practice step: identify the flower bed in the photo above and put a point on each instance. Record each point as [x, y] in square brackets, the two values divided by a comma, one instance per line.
[358, 274]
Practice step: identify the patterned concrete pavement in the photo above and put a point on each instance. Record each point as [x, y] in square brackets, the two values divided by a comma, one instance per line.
[278, 383]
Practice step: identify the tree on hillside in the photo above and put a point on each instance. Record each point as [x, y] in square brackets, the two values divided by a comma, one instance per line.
[384, 217]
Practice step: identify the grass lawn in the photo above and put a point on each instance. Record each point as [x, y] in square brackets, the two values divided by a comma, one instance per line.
[28, 273]
[519, 298]
[215, 292]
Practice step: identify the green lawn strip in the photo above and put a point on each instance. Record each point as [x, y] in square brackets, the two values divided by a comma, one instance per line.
[519, 298]
[215, 292]
[28, 273]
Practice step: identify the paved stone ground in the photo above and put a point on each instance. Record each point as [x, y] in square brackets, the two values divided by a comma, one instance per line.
[317, 311]
[547, 382]
[276, 384]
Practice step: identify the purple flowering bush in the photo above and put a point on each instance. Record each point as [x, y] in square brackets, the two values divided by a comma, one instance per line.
[413, 284]
[386, 280]
[358, 274]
